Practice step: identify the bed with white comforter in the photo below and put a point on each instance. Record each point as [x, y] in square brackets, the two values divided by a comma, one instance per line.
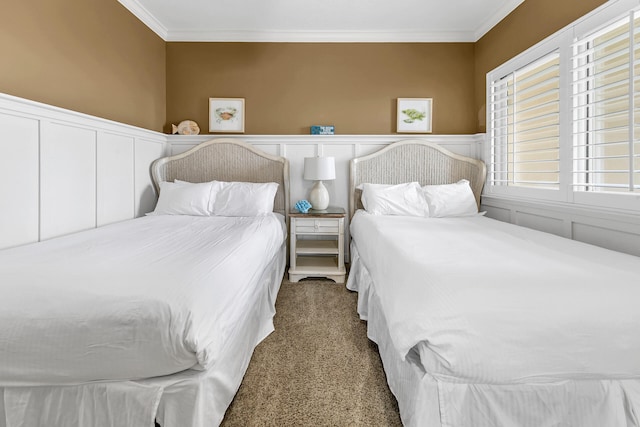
[484, 323]
[144, 298]
[149, 320]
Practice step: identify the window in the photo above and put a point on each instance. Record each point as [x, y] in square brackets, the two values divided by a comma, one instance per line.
[525, 116]
[563, 119]
[606, 108]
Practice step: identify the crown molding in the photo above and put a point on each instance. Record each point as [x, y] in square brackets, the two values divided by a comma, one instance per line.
[146, 17]
[305, 36]
[502, 13]
[319, 36]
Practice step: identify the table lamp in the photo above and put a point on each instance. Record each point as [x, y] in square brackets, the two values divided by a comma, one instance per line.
[319, 169]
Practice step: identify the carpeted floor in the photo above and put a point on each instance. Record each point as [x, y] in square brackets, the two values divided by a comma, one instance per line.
[317, 369]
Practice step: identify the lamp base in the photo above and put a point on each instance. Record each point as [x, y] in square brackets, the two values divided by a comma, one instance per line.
[319, 197]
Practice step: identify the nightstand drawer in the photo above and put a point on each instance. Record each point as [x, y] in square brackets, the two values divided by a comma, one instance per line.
[320, 226]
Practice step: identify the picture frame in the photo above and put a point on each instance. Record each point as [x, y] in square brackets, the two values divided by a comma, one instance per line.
[414, 115]
[226, 115]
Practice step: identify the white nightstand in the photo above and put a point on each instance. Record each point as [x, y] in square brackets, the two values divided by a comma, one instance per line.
[317, 244]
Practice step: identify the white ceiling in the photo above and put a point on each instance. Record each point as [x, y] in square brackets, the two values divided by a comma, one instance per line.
[321, 20]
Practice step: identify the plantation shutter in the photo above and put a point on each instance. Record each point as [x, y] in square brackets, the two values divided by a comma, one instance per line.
[525, 126]
[606, 108]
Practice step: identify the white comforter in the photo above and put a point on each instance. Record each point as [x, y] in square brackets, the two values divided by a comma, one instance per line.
[142, 298]
[486, 301]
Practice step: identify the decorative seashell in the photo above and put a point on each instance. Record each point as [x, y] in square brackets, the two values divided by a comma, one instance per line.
[303, 206]
[185, 127]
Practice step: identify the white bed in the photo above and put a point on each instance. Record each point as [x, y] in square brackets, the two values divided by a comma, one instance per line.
[484, 323]
[149, 320]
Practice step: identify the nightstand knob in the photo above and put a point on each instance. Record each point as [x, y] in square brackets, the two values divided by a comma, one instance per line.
[316, 224]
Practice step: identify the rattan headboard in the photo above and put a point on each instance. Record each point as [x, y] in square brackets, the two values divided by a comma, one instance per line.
[413, 160]
[226, 159]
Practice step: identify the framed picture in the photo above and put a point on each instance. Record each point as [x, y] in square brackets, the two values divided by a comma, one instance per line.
[226, 115]
[414, 115]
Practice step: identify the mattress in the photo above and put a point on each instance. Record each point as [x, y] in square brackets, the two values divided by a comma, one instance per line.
[485, 357]
[142, 298]
[486, 301]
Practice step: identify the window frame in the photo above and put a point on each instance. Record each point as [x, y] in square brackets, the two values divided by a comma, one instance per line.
[562, 42]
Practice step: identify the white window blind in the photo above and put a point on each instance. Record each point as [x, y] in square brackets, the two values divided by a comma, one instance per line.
[606, 108]
[525, 126]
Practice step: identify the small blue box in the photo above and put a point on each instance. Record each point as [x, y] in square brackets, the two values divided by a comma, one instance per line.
[322, 130]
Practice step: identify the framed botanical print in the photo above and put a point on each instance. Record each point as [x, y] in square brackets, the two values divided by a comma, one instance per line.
[414, 115]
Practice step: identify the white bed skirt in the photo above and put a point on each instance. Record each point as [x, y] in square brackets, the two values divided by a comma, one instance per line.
[187, 399]
[426, 401]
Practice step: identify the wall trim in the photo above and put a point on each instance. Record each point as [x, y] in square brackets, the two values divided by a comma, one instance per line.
[187, 35]
[607, 227]
[38, 110]
[146, 18]
[302, 36]
[444, 140]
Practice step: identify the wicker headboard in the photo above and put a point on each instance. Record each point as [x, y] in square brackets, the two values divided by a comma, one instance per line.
[413, 160]
[226, 159]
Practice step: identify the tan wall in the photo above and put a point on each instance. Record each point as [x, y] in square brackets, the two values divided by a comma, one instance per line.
[91, 56]
[531, 22]
[94, 56]
[291, 86]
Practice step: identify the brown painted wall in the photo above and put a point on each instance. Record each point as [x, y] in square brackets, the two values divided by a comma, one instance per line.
[529, 23]
[91, 56]
[354, 86]
[94, 56]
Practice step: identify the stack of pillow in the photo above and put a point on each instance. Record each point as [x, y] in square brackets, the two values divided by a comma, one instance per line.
[216, 198]
[437, 201]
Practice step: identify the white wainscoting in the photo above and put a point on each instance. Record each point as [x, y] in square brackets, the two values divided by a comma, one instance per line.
[342, 147]
[608, 228]
[65, 171]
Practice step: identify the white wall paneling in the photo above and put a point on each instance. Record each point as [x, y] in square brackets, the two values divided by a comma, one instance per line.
[146, 151]
[609, 228]
[67, 171]
[342, 147]
[115, 178]
[19, 145]
[67, 179]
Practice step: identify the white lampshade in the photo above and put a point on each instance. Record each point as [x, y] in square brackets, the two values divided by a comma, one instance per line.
[319, 168]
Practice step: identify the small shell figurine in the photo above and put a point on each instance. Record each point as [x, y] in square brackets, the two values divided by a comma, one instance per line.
[303, 206]
[185, 127]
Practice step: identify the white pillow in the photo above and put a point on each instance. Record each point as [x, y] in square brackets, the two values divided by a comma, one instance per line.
[216, 186]
[245, 199]
[400, 199]
[183, 199]
[450, 199]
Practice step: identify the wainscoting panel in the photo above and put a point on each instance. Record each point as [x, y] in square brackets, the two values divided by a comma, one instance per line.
[146, 151]
[539, 222]
[609, 228]
[19, 142]
[67, 171]
[116, 180]
[67, 180]
[622, 241]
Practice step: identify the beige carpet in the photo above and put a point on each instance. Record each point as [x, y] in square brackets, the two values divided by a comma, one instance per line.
[317, 369]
